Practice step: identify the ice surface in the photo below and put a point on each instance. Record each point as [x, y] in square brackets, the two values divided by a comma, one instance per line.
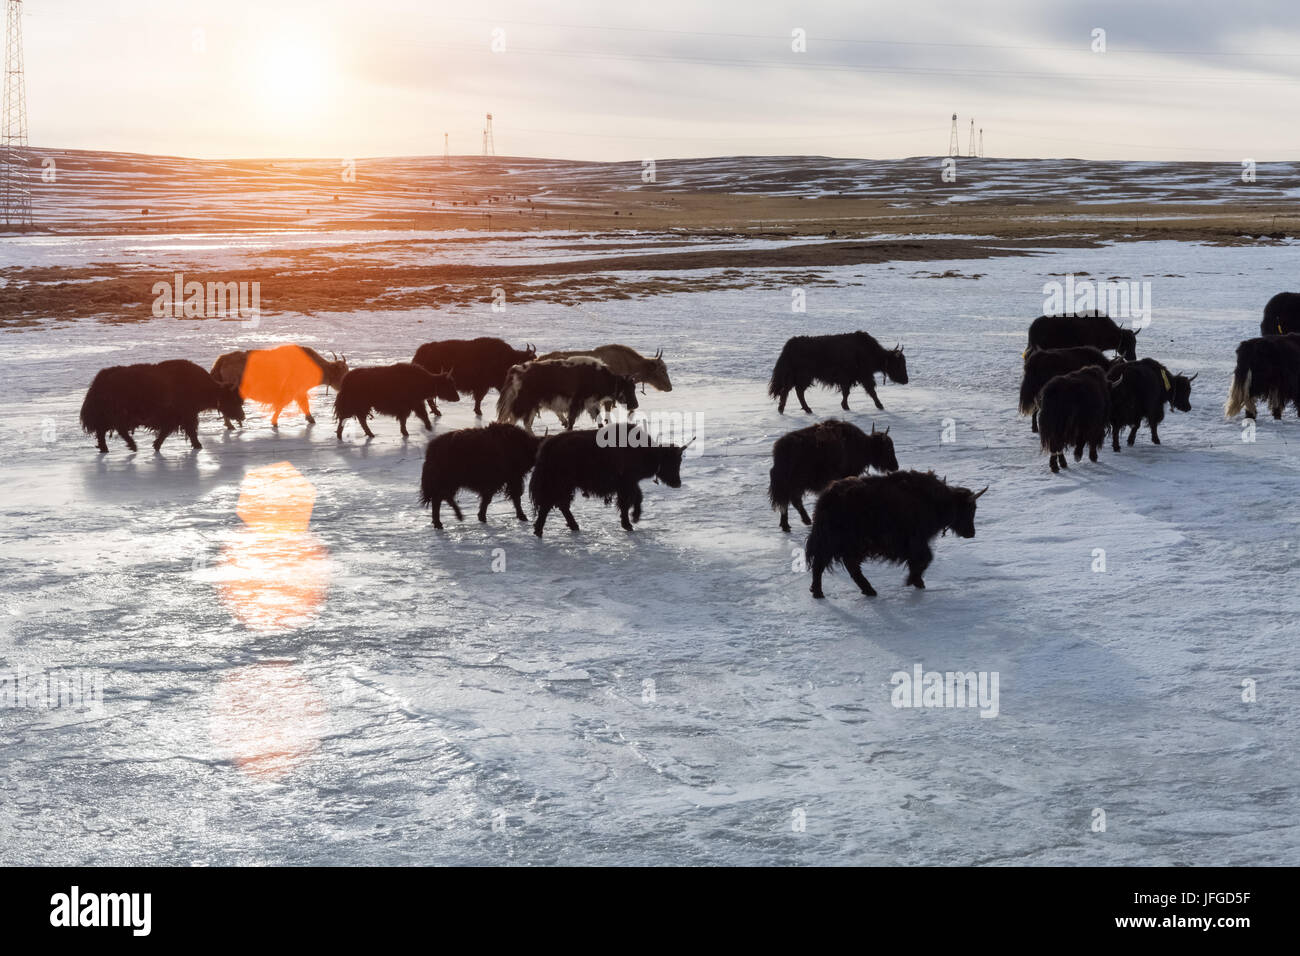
[438, 711]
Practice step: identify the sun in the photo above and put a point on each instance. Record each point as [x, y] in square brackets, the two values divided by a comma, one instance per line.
[296, 74]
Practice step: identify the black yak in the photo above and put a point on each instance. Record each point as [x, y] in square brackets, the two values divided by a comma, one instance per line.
[590, 462]
[1042, 365]
[891, 518]
[1074, 409]
[1088, 328]
[476, 365]
[1141, 390]
[484, 460]
[279, 376]
[398, 390]
[1269, 368]
[811, 458]
[567, 387]
[834, 361]
[1281, 314]
[163, 398]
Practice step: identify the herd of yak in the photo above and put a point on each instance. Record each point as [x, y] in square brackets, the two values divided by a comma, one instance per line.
[1074, 392]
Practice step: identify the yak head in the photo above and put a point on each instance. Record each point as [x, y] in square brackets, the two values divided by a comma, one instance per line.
[1180, 391]
[880, 450]
[527, 355]
[442, 388]
[625, 392]
[656, 373]
[668, 464]
[334, 371]
[230, 403]
[896, 365]
[1128, 344]
[963, 520]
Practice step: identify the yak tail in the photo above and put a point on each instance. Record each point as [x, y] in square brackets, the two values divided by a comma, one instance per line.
[782, 375]
[1028, 396]
[344, 407]
[822, 547]
[773, 496]
[506, 398]
[92, 416]
[1239, 394]
[1054, 423]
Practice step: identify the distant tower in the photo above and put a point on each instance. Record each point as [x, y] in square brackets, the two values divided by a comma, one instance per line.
[489, 147]
[981, 142]
[971, 145]
[446, 149]
[15, 191]
[953, 148]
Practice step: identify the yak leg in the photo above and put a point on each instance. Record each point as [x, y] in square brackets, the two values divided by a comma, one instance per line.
[482, 506]
[1115, 427]
[636, 503]
[860, 579]
[437, 513]
[1078, 452]
[419, 412]
[275, 415]
[478, 402]
[1132, 435]
[540, 523]
[433, 407]
[192, 432]
[515, 489]
[798, 506]
[785, 516]
[802, 401]
[575, 409]
[623, 505]
[305, 407]
[1092, 448]
[1155, 436]
[871, 390]
[918, 560]
[401, 420]
[568, 515]
[818, 567]
[1033, 422]
[844, 400]
[629, 498]
[126, 436]
[99, 437]
[365, 427]
[780, 402]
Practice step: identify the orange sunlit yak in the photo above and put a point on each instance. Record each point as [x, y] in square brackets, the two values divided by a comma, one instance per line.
[274, 573]
[279, 376]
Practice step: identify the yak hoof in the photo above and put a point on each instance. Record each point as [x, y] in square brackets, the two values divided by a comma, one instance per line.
[817, 592]
[785, 525]
[310, 420]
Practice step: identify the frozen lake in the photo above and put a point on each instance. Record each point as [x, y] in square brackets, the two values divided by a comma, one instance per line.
[673, 695]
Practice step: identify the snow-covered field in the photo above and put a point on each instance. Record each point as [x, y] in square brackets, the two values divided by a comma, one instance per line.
[673, 695]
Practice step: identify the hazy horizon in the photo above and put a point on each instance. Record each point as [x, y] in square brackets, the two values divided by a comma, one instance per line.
[582, 82]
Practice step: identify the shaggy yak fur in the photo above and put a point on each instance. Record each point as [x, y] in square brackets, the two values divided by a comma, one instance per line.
[476, 365]
[587, 462]
[164, 398]
[1267, 368]
[809, 459]
[279, 376]
[834, 361]
[622, 360]
[1091, 328]
[398, 390]
[1141, 391]
[891, 518]
[483, 460]
[1043, 365]
[1281, 315]
[1074, 409]
[567, 387]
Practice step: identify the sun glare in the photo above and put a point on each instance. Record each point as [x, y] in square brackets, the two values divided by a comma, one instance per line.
[296, 75]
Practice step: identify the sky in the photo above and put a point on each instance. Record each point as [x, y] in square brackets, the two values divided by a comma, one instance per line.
[599, 80]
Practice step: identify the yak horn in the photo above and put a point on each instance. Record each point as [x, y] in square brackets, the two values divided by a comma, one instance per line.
[873, 428]
[1192, 379]
[980, 492]
[887, 429]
